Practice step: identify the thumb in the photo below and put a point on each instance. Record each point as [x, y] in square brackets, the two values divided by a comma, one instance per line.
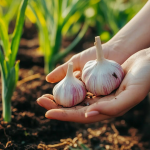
[60, 72]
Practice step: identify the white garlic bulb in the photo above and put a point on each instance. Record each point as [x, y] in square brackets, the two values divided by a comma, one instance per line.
[101, 76]
[70, 91]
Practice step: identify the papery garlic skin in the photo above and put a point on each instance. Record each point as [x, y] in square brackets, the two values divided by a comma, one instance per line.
[102, 76]
[70, 91]
[109, 78]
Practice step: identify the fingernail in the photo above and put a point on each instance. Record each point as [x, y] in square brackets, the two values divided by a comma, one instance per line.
[47, 115]
[91, 113]
[46, 78]
[38, 100]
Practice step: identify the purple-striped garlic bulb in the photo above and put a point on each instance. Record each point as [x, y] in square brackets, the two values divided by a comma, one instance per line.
[69, 91]
[101, 76]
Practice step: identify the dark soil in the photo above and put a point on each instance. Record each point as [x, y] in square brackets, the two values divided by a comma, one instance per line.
[30, 130]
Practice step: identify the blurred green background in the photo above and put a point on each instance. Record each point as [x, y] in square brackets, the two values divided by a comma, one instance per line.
[106, 16]
[57, 19]
[52, 22]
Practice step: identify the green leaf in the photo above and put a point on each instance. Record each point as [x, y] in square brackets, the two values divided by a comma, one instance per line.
[59, 11]
[48, 15]
[45, 43]
[73, 44]
[12, 11]
[2, 69]
[11, 82]
[17, 32]
[4, 38]
[50, 31]
[109, 15]
[64, 4]
[6, 68]
[72, 9]
[9, 85]
[72, 23]
[17, 71]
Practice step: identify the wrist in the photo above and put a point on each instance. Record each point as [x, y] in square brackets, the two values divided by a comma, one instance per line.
[116, 50]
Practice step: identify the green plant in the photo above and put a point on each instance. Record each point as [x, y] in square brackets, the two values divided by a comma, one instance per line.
[109, 16]
[8, 52]
[8, 10]
[53, 19]
[114, 15]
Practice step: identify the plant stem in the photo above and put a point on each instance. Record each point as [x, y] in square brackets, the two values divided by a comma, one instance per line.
[17, 32]
[99, 51]
[49, 64]
[61, 55]
[58, 39]
[70, 70]
[6, 110]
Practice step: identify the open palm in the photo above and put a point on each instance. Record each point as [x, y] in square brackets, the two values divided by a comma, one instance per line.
[132, 90]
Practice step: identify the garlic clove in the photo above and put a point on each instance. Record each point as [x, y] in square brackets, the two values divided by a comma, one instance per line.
[70, 91]
[102, 76]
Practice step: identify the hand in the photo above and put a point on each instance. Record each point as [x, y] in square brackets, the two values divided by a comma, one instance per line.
[133, 37]
[132, 90]
[111, 51]
[124, 44]
[78, 63]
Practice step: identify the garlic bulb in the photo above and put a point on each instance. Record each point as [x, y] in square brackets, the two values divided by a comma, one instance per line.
[101, 76]
[70, 91]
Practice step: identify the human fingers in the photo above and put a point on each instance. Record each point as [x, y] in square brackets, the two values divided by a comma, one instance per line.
[47, 102]
[48, 96]
[120, 103]
[60, 72]
[132, 90]
[78, 60]
[73, 115]
[76, 113]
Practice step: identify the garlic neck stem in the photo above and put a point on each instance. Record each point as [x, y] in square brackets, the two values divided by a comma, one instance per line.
[70, 70]
[99, 51]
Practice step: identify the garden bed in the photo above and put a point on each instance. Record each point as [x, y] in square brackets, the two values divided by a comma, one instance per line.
[30, 130]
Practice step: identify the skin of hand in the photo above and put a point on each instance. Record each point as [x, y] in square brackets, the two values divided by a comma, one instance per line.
[133, 89]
